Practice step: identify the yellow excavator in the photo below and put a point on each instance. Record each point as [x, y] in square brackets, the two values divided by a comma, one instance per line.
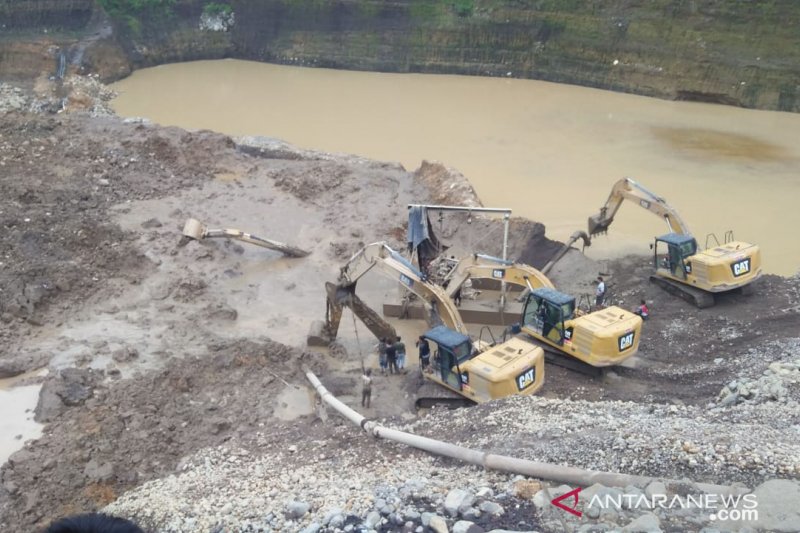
[476, 370]
[681, 268]
[601, 338]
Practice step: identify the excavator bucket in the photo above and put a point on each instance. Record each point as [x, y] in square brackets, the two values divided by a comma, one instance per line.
[599, 223]
[194, 229]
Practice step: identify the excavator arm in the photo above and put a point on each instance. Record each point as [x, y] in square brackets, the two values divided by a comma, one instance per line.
[587, 241]
[340, 297]
[440, 309]
[194, 229]
[628, 189]
[481, 266]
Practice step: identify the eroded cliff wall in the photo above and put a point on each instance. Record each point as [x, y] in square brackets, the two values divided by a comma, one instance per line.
[740, 53]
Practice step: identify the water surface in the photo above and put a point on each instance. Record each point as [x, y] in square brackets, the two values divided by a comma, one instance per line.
[550, 152]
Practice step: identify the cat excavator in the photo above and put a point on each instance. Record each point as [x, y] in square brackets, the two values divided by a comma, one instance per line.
[681, 268]
[601, 338]
[481, 266]
[474, 370]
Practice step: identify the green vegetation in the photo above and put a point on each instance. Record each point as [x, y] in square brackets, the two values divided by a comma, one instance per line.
[215, 9]
[464, 8]
[426, 10]
[130, 14]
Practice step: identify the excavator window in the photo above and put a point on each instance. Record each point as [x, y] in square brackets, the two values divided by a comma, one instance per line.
[670, 256]
[463, 352]
[676, 260]
[531, 316]
[553, 326]
[449, 370]
[568, 310]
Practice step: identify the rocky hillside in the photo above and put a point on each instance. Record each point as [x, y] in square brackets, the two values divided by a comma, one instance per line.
[739, 53]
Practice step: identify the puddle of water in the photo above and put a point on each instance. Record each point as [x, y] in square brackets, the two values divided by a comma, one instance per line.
[294, 402]
[10, 383]
[16, 413]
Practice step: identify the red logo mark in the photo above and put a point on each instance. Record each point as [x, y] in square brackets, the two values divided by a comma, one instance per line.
[574, 494]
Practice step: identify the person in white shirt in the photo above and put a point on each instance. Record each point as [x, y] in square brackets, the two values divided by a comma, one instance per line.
[366, 388]
[600, 293]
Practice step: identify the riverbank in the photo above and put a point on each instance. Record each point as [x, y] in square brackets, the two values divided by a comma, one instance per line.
[667, 49]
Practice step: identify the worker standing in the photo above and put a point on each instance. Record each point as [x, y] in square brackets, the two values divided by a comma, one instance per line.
[600, 293]
[381, 347]
[391, 357]
[366, 388]
[424, 353]
[400, 349]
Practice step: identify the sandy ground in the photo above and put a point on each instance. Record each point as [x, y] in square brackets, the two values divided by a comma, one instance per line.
[158, 348]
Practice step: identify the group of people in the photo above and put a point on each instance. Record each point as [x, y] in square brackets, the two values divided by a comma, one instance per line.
[392, 359]
[391, 355]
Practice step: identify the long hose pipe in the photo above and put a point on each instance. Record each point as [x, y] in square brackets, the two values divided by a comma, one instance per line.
[535, 469]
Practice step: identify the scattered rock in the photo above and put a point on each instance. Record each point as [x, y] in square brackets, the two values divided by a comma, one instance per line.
[97, 472]
[465, 526]
[655, 488]
[438, 524]
[455, 498]
[296, 509]
[151, 223]
[778, 506]
[647, 523]
[125, 354]
[491, 508]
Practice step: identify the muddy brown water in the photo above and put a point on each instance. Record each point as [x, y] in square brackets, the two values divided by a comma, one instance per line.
[550, 152]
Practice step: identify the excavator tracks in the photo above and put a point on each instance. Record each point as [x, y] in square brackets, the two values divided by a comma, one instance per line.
[697, 297]
[431, 394]
[554, 357]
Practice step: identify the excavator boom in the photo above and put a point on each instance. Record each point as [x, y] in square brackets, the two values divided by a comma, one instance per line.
[628, 189]
[439, 308]
[194, 229]
[481, 266]
[341, 297]
[587, 241]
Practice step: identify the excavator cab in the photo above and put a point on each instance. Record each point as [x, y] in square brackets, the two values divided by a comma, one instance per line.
[451, 351]
[480, 373]
[672, 253]
[546, 311]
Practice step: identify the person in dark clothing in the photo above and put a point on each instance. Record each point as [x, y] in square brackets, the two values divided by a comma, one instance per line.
[391, 357]
[424, 353]
[381, 347]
